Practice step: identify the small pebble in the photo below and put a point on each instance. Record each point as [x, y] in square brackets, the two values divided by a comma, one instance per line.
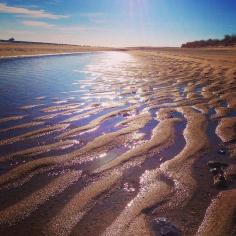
[163, 227]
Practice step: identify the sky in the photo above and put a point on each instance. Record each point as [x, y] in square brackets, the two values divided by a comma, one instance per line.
[117, 22]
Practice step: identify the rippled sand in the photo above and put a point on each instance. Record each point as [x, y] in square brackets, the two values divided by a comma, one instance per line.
[132, 153]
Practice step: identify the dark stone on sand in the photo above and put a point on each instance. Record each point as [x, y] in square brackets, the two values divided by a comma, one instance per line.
[220, 181]
[163, 227]
[222, 151]
[217, 165]
[124, 114]
[96, 105]
[217, 170]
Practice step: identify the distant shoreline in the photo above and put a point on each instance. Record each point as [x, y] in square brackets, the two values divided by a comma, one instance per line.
[24, 49]
[45, 55]
[42, 43]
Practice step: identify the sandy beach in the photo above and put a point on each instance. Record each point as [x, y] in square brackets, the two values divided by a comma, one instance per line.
[23, 49]
[148, 148]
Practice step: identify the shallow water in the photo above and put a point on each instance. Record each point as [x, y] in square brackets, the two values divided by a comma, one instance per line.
[57, 78]
[59, 86]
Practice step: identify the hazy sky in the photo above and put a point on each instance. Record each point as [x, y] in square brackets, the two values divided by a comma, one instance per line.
[117, 22]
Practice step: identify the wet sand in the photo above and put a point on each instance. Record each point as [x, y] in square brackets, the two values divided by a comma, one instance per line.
[134, 161]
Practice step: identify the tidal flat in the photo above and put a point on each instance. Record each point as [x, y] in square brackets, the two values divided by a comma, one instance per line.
[134, 142]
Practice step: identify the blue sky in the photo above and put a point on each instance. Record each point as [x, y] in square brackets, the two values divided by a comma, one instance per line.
[117, 22]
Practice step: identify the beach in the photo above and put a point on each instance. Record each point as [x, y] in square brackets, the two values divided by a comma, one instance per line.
[133, 142]
[8, 49]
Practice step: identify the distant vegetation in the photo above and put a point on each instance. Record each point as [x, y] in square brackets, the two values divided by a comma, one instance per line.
[11, 39]
[228, 40]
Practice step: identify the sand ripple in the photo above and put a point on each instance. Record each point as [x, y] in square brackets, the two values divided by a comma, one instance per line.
[150, 119]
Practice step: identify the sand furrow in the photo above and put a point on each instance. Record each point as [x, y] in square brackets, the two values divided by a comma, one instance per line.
[161, 135]
[220, 216]
[152, 191]
[26, 206]
[34, 134]
[226, 129]
[10, 118]
[68, 217]
[39, 150]
[100, 141]
[22, 126]
[180, 168]
[94, 123]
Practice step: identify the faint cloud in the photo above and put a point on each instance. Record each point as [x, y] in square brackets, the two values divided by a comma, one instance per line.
[29, 12]
[67, 29]
[95, 17]
[92, 14]
[38, 24]
[80, 29]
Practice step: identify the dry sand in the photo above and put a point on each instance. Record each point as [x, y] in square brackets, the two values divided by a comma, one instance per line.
[23, 49]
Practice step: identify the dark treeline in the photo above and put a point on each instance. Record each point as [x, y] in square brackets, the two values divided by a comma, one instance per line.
[228, 40]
